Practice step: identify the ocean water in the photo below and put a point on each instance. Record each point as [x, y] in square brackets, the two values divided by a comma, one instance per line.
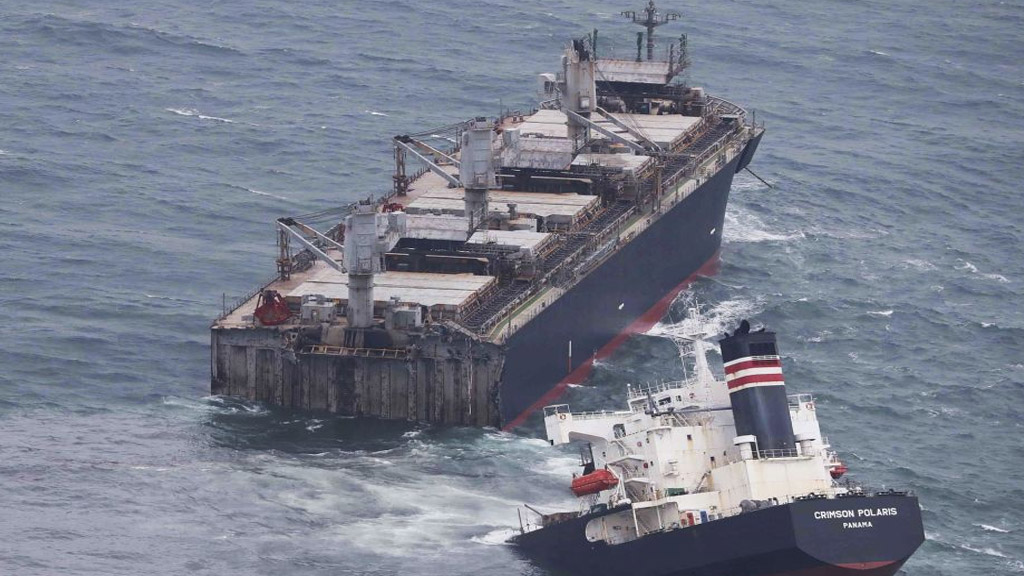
[145, 149]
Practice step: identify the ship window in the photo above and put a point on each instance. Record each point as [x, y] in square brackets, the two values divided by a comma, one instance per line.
[712, 459]
[619, 430]
[689, 436]
[763, 349]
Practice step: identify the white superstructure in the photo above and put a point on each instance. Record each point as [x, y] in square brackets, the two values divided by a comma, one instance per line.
[679, 461]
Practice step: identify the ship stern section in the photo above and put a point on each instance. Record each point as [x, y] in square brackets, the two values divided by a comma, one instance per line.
[858, 535]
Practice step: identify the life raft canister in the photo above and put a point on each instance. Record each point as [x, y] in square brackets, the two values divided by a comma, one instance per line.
[594, 482]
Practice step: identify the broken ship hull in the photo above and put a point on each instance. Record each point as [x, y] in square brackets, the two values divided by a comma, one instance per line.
[866, 536]
[455, 377]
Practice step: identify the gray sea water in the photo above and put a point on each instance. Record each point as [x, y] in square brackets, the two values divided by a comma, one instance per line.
[146, 147]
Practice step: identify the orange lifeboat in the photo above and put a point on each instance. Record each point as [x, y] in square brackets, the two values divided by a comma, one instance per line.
[838, 470]
[594, 482]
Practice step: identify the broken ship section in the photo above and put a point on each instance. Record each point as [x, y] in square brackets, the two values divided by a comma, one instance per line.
[516, 252]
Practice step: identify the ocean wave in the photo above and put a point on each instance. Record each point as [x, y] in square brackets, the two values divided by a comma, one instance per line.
[267, 194]
[744, 226]
[988, 528]
[972, 269]
[985, 550]
[716, 319]
[172, 299]
[919, 264]
[195, 114]
[375, 113]
[498, 537]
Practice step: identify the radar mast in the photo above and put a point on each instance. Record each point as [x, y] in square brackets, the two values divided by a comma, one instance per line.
[650, 18]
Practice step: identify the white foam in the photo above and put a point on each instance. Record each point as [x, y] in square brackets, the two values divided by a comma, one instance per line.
[171, 299]
[717, 319]
[744, 226]
[922, 265]
[268, 194]
[497, 537]
[820, 336]
[885, 313]
[190, 404]
[195, 114]
[988, 528]
[375, 113]
[878, 53]
[971, 268]
[985, 551]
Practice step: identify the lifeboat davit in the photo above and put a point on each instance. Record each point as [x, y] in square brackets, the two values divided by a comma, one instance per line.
[594, 482]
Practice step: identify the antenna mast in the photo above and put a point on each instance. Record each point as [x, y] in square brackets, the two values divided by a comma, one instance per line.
[650, 18]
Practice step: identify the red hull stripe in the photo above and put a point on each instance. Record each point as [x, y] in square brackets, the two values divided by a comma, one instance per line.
[641, 324]
[884, 568]
[866, 565]
[755, 378]
[747, 364]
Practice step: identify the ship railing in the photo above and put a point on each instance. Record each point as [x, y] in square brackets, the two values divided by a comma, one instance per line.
[324, 350]
[591, 415]
[556, 409]
[236, 303]
[596, 414]
[800, 401]
[688, 168]
[777, 453]
[634, 391]
[720, 106]
[591, 240]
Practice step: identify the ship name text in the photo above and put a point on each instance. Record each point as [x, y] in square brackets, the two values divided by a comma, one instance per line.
[861, 513]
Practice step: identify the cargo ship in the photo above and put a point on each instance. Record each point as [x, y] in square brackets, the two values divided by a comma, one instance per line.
[509, 254]
[722, 477]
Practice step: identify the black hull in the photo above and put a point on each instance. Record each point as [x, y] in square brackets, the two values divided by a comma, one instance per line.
[628, 293]
[787, 539]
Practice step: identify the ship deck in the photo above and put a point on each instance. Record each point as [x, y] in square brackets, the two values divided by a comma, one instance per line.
[563, 229]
